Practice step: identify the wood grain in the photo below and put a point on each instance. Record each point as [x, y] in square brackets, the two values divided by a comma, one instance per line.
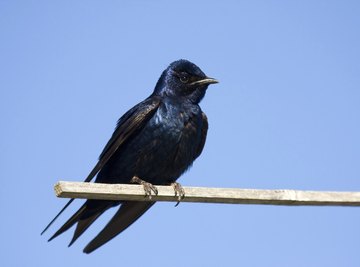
[208, 195]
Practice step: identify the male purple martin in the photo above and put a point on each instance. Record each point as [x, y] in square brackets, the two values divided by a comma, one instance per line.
[153, 143]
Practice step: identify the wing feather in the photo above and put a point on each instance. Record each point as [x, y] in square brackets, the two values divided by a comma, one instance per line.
[128, 125]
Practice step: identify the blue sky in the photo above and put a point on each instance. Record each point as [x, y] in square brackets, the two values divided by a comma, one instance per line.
[285, 115]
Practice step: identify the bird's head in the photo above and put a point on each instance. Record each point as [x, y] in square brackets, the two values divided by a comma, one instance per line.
[183, 79]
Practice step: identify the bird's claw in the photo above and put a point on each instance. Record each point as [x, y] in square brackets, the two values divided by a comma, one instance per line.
[179, 192]
[148, 187]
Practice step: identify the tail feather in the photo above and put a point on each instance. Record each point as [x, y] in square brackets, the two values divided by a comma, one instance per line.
[84, 217]
[128, 213]
[84, 224]
[73, 219]
[57, 215]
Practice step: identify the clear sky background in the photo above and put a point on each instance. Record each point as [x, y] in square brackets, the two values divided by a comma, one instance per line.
[285, 115]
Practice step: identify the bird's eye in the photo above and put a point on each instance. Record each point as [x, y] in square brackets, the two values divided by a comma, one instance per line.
[184, 78]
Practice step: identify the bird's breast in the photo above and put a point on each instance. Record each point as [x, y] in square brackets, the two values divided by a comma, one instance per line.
[162, 150]
[174, 133]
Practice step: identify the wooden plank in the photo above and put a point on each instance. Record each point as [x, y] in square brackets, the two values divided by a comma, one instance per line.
[208, 195]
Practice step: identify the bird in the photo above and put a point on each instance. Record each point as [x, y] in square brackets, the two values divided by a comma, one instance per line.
[153, 143]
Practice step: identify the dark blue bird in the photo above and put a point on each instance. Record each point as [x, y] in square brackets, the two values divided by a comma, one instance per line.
[153, 143]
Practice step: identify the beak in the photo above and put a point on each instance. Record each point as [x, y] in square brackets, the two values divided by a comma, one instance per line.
[205, 81]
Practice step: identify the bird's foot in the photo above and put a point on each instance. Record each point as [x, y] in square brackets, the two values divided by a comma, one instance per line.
[179, 192]
[148, 187]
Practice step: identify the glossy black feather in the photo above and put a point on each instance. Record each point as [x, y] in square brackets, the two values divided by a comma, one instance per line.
[128, 213]
[128, 125]
[157, 140]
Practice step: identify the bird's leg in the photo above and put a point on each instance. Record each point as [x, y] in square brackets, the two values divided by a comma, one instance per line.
[179, 192]
[147, 186]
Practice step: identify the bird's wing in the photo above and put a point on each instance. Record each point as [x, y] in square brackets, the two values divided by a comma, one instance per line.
[128, 213]
[204, 130]
[128, 125]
